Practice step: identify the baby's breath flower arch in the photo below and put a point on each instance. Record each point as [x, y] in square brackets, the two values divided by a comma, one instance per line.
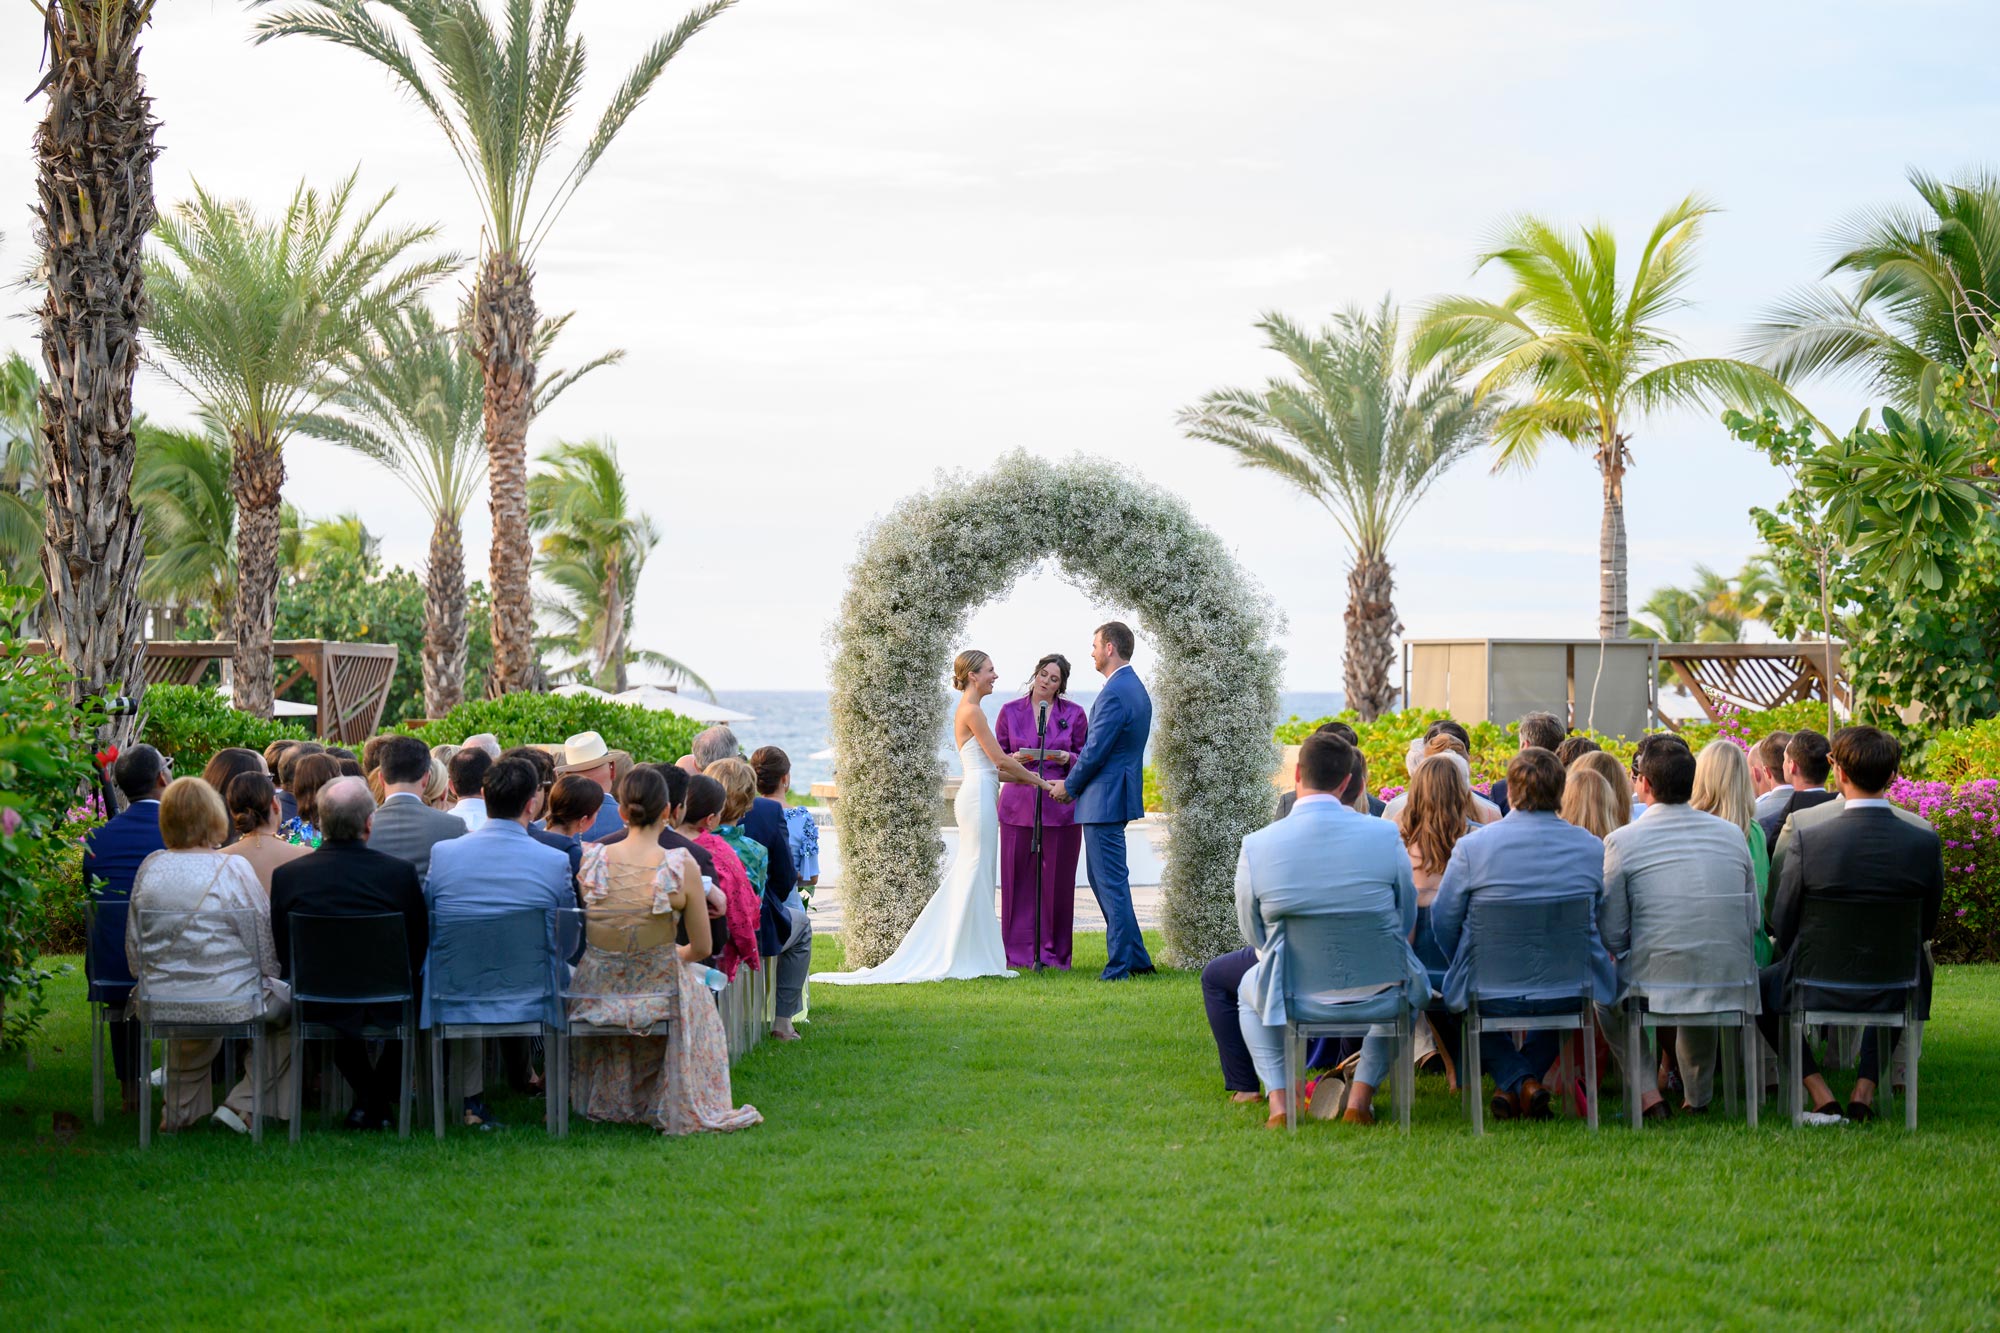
[941, 554]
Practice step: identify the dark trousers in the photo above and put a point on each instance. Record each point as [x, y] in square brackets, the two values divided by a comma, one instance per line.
[1219, 981]
[1018, 907]
[1770, 1022]
[123, 1038]
[376, 1084]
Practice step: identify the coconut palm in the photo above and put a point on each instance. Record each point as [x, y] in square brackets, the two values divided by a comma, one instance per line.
[501, 97]
[1365, 436]
[253, 318]
[94, 154]
[1583, 350]
[593, 548]
[21, 505]
[1924, 284]
[415, 405]
[342, 534]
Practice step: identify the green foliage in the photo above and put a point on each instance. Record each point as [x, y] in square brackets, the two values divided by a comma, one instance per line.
[45, 762]
[1385, 743]
[1964, 754]
[1751, 727]
[189, 723]
[20, 472]
[548, 719]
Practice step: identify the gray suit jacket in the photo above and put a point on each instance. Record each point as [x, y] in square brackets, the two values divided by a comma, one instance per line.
[406, 828]
[1816, 815]
[1668, 915]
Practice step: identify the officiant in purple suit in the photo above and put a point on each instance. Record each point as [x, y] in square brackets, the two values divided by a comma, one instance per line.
[1043, 719]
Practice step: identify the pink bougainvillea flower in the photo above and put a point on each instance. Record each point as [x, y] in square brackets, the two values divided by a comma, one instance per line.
[10, 819]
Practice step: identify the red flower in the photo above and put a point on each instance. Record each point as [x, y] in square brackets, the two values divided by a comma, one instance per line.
[107, 756]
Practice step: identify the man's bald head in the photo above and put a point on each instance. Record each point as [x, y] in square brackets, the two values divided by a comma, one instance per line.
[345, 807]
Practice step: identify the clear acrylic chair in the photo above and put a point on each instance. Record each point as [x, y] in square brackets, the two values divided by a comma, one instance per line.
[1864, 951]
[1347, 973]
[1706, 948]
[351, 961]
[176, 1001]
[1530, 950]
[110, 984]
[613, 940]
[489, 961]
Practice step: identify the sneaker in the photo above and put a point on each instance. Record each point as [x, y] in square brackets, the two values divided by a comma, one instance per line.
[479, 1116]
[1825, 1118]
[229, 1120]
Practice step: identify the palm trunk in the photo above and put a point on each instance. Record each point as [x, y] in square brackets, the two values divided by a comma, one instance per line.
[503, 316]
[1371, 629]
[444, 619]
[613, 641]
[256, 476]
[94, 156]
[1612, 620]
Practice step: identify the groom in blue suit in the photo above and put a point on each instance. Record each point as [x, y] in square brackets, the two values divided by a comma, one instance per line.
[1107, 782]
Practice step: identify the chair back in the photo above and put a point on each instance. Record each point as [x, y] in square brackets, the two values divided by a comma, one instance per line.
[1529, 948]
[494, 959]
[104, 965]
[199, 960]
[1705, 946]
[1335, 958]
[350, 959]
[1859, 944]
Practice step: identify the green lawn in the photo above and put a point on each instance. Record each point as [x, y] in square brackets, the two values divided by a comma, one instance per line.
[1049, 1152]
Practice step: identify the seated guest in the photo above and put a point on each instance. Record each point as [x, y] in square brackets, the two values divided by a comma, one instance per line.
[716, 744]
[113, 852]
[224, 951]
[252, 803]
[1324, 857]
[444, 754]
[1654, 870]
[1439, 738]
[467, 771]
[739, 790]
[1767, 773]
[1865, 852]
[486, 741]
[784, 926]
[498, 867]
[1616, 777]
[1591, 804]
[1530, 854]
[1574, 748]
[274, 754]
[1376, 804]
[345, 877]
[1537, 731]
[585, 755]
[774, 780]
[350, 767]
[1438, 814]
[286, 773]
[371, 753]
[678, 1083]
[406, 826]
[437, 788]
[225, 764]
[309, 774]
[1723, 788]
[1806, 764]
[545, 779]
[573, 806]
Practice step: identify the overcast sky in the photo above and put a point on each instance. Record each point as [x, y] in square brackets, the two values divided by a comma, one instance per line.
[848, 243]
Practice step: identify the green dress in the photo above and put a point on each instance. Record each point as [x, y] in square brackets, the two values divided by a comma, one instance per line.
[1760, 862]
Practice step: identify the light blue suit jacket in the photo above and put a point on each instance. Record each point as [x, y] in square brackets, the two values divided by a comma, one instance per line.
[1529, 854]
[1322, 857]
[498, 867]
[1108, 780]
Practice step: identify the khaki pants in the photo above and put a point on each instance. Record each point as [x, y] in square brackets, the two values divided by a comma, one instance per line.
[187, 1096]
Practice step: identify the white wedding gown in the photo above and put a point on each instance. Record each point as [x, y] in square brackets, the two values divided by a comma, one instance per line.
[958, 933]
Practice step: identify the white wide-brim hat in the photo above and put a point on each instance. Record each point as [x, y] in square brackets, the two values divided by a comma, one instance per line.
[587, 750]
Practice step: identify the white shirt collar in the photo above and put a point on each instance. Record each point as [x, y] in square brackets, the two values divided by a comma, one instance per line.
[150, 800]
[406, 795]
[1869, 803]
[1123, 666]
[1782, 786]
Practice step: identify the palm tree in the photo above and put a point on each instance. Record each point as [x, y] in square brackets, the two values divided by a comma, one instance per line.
[94, 154]
[1586, 352]
[1925, 285]
[593, 549]
[501, 99]
[415, 405]
[21, 504]
[254, 318]
[1365, 435]
[342, 534]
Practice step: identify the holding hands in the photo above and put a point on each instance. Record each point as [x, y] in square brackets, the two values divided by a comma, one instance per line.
[1060, 791]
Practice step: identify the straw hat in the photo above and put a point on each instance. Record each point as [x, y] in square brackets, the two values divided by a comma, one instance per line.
[587, 750]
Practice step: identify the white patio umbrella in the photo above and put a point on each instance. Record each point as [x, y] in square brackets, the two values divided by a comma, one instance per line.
[279, 707]
[666, 701]
[579, 691]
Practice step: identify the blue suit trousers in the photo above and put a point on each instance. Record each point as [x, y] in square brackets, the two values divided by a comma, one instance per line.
[1110, 881]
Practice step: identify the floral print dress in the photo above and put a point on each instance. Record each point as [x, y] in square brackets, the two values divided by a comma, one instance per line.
[631, 977]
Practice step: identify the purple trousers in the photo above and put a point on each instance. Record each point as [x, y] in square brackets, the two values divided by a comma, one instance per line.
[1060, 849]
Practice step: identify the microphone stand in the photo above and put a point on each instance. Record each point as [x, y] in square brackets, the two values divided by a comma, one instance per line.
[1041, 766]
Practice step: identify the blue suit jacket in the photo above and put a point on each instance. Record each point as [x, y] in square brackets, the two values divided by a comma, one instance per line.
[112, 853]
[498, 867]
[1108, 780]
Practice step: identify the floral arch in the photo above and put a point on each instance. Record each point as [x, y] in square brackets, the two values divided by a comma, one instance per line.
[942, 553]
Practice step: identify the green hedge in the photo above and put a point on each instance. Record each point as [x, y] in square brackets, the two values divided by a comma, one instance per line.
[548, 719]
[189, 723]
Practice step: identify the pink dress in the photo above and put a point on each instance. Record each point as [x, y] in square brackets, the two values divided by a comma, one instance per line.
[679, 1083]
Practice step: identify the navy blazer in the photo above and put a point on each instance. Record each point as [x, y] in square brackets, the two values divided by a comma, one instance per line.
[1108, 780]
[765, 823]
[112, 852]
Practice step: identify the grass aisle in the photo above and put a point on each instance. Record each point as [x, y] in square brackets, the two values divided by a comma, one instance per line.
[1047, 1152]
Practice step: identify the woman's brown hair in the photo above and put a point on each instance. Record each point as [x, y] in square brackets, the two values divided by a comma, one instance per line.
[772, 767]
[1436, 814]
[642, 797]
[574, 797]
[310, 774]
[1590, 803]
[964, 665]
[249, 797]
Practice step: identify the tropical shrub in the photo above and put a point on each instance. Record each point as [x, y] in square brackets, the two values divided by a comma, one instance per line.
[1748, 727]
[59, 927]
[1964, 753]
[1385, 744]
[1967, 820]
[188, 723]
[549, 719]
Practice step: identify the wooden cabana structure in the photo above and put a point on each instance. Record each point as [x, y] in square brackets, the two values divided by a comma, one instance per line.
[1755, 676]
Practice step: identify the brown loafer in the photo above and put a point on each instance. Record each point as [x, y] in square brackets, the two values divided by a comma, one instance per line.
[1504, 1106]
[1355, 1115]
[1534, 1100]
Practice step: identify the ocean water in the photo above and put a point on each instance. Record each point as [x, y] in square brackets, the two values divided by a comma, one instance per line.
[796, 722]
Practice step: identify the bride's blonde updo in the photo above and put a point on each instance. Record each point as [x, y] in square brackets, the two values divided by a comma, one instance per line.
[964, 665]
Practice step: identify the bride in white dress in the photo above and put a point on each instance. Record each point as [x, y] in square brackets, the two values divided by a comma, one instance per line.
[958, 933]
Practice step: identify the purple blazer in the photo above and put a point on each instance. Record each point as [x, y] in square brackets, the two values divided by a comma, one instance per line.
[1015, 730]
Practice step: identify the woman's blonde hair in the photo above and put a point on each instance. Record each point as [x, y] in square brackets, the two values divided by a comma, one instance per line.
[438, 783]
[1606, 766]
[739, 787]
[191, 815]
[964, 665]
[1722, 784]
[1591, 804]
[1436, 812]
